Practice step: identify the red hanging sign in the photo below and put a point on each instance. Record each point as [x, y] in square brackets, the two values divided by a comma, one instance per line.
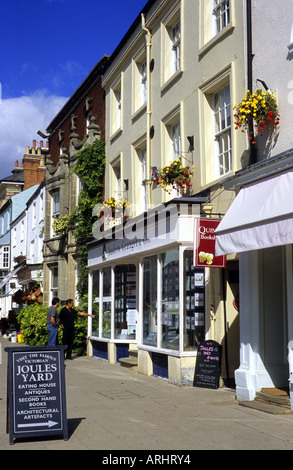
[204, 244]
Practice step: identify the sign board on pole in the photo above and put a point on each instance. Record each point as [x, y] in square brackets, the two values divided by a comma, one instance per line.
[204, 244]
[36, 392]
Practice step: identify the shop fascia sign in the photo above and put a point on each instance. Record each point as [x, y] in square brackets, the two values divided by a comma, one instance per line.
[204, 244]
[159, 222]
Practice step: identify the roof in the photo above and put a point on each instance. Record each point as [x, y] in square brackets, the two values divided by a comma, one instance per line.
[19, 201]
[16, 177]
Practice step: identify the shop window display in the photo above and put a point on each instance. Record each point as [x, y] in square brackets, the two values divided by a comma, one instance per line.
[107, 303]
[170, 300]
[150, 301]
[96, 303]
[125, 302]
[194, 303]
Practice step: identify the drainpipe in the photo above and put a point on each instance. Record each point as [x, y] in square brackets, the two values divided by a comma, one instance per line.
[149, 106]
[250, 55]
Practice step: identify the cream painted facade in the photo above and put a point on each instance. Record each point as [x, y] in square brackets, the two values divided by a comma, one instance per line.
[171, 82]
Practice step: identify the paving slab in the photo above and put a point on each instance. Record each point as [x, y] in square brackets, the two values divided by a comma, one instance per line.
[115, 409]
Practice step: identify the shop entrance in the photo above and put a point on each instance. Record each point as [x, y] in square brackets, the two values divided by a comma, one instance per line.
[274, 315]
[125, 308]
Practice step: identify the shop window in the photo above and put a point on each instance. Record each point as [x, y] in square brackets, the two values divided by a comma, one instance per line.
[194, 299]
[96, 303]
[150, 301]
[125, 302]
[107, 303]
[170, 300]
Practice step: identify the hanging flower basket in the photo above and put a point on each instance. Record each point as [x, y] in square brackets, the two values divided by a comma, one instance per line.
[61, 225]
[173, 176]
[261, 107]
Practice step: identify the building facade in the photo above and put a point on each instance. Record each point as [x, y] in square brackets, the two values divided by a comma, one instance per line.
[169, 86]
[79, 122]
[261, 231]
[10, 212]
[15, 191]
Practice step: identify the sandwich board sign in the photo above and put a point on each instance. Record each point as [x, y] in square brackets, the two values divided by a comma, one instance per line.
[36, 392]
[208, 365]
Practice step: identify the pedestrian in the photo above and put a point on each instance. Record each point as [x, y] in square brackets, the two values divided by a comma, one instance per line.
[67, 317]
[53, 322]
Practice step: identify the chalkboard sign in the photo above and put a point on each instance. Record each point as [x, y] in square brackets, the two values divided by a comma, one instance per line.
[208, 365]
[36, 392]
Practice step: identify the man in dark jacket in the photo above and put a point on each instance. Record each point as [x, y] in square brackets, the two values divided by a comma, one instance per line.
[53, 322]
[67, 318]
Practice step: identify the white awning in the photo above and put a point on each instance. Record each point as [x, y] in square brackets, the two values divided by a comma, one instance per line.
[260, 217]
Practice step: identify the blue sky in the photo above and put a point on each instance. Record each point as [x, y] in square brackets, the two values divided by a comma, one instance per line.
[50, 47]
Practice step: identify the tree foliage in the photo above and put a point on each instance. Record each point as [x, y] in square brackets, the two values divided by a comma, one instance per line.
[33, 325]
[90, 168]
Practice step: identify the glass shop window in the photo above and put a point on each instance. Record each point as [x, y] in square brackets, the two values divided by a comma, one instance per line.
[96, 303]
[125, 302]
[170, 300]
[150, 301]
[194, 303]
[107, 302]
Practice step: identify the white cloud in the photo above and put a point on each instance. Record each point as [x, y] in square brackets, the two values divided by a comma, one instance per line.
[20, 119]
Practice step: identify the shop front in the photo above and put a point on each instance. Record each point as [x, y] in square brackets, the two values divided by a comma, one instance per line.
[259, 227]
[147, 295]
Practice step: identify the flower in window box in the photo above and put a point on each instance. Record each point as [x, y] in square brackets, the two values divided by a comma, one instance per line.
[173, 176]
[260, 108]
[115, 208]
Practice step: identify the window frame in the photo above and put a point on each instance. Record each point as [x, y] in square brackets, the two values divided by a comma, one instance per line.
[222, 134]
[221, 15]
[54, 213]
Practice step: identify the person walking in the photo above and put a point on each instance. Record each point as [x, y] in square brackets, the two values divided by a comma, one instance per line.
[53, 322]
[67, 318]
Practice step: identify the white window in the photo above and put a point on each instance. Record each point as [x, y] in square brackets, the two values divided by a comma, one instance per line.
[34, 214]
[222, 130]
[116, 108]
[88, 120]
[143, 179]
[117, 180]
[5, 257]
[41, 206]
[56, 203]
[22, 231]
[175, 141]
[54, 283]
[221, 13]
[143, 83]
[32, 250]
[175, 45]
[55, 207]
[14, 237]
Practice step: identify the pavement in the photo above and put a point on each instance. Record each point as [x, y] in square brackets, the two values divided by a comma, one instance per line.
[112, 408]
